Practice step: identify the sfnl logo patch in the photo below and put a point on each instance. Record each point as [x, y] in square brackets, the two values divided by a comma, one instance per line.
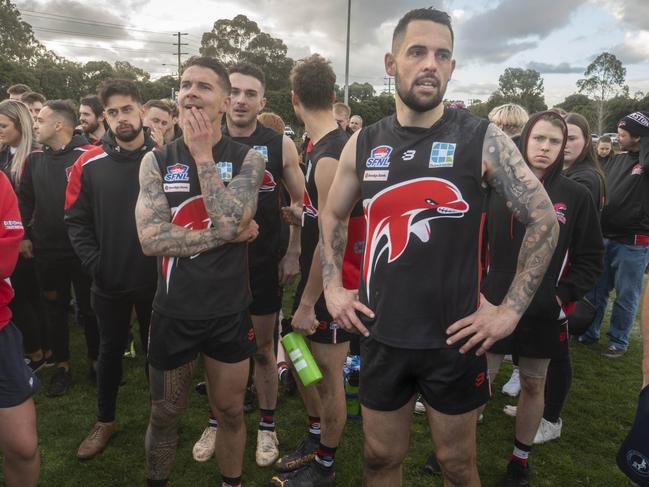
[442, 155]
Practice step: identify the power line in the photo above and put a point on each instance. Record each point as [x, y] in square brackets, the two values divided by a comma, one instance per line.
[96, 36]
[67, 44]
[91, 22]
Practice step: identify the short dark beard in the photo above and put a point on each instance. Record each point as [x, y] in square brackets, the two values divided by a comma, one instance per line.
[91, 128]
[409, 99]
[131, 136]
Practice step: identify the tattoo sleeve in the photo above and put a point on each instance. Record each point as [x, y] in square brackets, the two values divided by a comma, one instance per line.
[333, 240]
[158, 236]
[232, 208]
[509, 176]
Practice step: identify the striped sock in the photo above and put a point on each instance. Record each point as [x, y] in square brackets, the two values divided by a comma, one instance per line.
[314, 428]
[212, 421]
[521, 453]
[230, 481]
[267, 421]
[325, 455]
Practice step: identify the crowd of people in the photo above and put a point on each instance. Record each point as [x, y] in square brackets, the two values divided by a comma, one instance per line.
[432, 243]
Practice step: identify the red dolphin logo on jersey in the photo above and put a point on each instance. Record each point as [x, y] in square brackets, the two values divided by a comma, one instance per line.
[390, 216]
[309, 207]
[190, 214]
[560, 209]
[268, 184]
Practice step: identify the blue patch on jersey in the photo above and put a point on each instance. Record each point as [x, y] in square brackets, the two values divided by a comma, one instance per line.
[442, 155]
[225, 171]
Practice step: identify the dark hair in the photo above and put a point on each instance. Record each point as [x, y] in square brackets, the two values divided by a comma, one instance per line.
[248, 69]
[18, 89]
[431, 14]
[124, 87]
[588, 154]
[158, 104]
[605, 138]
[94, 103]
[214, 65]
[314, 82]
[32, 97]
[64, 108]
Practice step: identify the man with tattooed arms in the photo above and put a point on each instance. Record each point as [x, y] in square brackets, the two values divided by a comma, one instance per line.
[198, 196]
[422, 175]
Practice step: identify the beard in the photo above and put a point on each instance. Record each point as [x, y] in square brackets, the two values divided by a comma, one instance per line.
[417, 103]
[128, 135]
[90, 128]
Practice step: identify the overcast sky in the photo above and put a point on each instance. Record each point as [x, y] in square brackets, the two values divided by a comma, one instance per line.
[558, 38]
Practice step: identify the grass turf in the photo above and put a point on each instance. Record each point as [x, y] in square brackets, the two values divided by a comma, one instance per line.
[597, 416]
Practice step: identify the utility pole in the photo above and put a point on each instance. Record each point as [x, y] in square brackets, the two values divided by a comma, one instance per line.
[388, 81]
[349, 14]
[179, 53]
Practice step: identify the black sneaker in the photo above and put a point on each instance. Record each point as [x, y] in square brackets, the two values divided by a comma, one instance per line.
[35, 365]
[201, 388]
[311, 475]
[298, 458]
[60, 382]
[517, 475]
[432, 465]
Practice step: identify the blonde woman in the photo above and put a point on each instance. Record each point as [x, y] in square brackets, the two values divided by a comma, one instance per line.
[510, 118]
[15, 138]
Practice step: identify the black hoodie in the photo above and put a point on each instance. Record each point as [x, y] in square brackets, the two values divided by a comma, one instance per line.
[41, 196]
[585, 174]
[100, 216]
[626, 216]
[577, 260]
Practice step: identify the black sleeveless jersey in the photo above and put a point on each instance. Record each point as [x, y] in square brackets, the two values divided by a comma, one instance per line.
[424, 202]
[331, 145]
[269, 144]
[213, 283]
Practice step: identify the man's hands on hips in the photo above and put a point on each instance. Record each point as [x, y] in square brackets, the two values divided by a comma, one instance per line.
[485, 327]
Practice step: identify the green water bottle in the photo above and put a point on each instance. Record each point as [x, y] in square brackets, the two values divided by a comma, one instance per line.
[303, 361]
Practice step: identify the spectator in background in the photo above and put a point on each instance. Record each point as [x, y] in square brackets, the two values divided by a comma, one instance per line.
[27, 306]
[342, 112]
[34, 102]
[356, 123]
[174, 131]
[16, 91]
[605, 152]
[91, 118]
[510, 118]
[272, 121]
[158, 117]
[18, 437]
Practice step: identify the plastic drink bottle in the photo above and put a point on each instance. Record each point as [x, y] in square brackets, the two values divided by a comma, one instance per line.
[303, 361]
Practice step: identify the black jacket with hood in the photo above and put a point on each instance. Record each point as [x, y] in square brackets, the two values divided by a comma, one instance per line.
[41, 196]
[578, 259]
[100, 216]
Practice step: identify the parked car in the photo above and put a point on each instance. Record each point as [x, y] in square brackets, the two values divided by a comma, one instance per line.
[594, 138]
[288, 131]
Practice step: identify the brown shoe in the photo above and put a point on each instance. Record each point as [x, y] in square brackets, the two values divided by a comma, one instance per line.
[97, 440]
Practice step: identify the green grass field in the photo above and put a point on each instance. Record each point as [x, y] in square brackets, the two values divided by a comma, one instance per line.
[598, 414]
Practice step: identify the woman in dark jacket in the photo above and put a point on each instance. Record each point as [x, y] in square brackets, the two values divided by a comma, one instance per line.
[542, 332]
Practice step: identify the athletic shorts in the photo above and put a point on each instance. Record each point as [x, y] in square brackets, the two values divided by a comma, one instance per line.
[535, 339]
[17, 381]
[450, 382]
[266, 291]
[328, 332]
[175, 342]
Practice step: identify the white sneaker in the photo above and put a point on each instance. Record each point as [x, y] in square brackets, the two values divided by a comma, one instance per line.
[267, 448]
[548, 431]
[513, 386]
[420, 407]
[510, 410]
[204, 447]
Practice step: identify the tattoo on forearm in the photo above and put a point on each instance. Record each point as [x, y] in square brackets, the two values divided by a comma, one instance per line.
[332, 250]
[232, 207]
[528, 201]
[169, 394]
[158, 235]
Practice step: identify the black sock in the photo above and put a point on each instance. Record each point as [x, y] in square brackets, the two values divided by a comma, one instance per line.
[314, 428]
[325, 455]
[230, 481]
[267, 420]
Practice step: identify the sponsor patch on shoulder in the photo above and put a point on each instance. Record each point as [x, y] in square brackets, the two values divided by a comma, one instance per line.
[379, 157]
[442, 155]
[636, 170]
[176, 187]
[12, 224]
[263, 150]
[225, 171]
[378, 175]
[176, 173]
